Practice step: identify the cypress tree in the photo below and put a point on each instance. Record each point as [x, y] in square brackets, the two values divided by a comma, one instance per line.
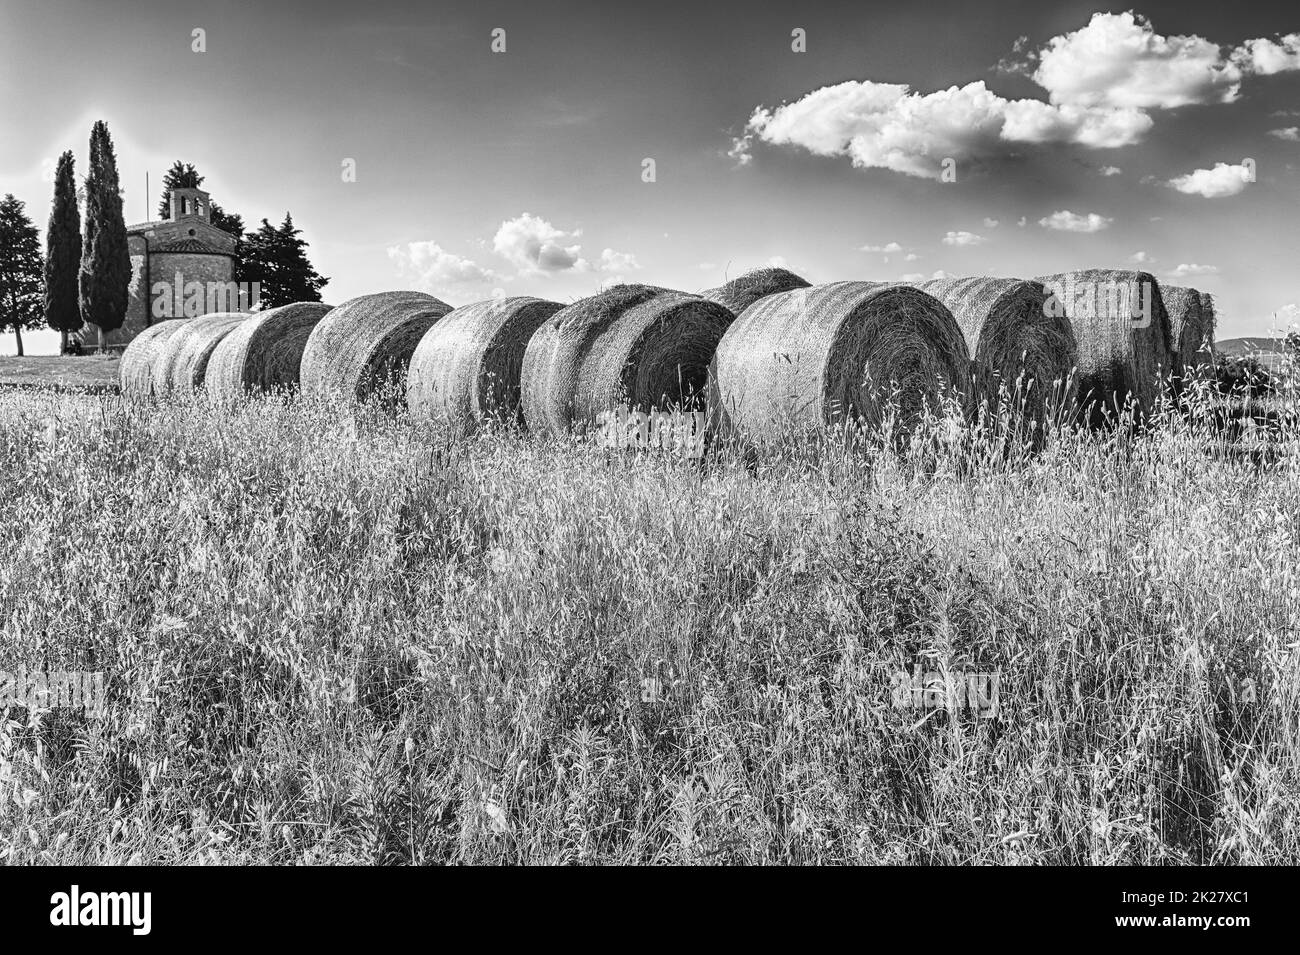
[105, 277]
[63, 253]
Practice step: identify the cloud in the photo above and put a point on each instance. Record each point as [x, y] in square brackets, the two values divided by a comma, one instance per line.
[911, 277]
[911, 257]
[887, 126]
[939, 274]
[1022, 222]
[1110, 170]
[611, 261]
[532, 244]
[1222, 180]
[431, 267]
[1291, 134]
[1066, 221]
[990, 223]
[888, 248]
[963, 238]
[1185, 269]
[1141, 258]
[1101, 82]
[1267, 57]
[1118, 61]
[1288, 315]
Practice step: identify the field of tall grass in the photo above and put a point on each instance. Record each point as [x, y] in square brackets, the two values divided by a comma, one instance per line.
[329, 638]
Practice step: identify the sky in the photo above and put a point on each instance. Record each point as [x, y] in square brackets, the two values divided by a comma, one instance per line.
[679, 144]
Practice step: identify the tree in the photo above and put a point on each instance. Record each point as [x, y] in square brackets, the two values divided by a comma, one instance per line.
[276, 258]
[21, 270]
[105, 278]
[63, 253]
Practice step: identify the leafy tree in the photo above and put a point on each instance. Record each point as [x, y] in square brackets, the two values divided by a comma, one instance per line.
[105, 277]
[276, 258]
[21, 270]
[63, 253]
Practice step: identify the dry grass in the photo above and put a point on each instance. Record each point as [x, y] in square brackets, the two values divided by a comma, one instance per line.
[466, 369]
[835, 354]
[365, 345]
[641, 345]
[264, 353]
[498, 606]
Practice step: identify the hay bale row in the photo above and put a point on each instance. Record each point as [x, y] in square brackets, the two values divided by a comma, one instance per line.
[466, 370]
[1191, 326]
[264, 352]
[740, 293]
[366, 343]
[1011, 336]
[1121, 356]
[639, 345]
[135, 372]
[183, 360]
[832, 354]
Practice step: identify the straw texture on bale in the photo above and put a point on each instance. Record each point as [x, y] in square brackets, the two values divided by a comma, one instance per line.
[831, 354]
[183, 360]
[466, 369]
[1009, 334]
[639, 345]
[742, 292]
[1121, 356]
[264, 353]
[1209, 320]
[367, 342]
[135, 373]
[1189, 327]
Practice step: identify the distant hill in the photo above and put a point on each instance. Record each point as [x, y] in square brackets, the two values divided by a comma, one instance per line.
[1269, 351]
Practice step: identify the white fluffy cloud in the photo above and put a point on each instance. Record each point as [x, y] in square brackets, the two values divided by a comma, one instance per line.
[431, 267]
[1267, 57]
[1222, 180]
[889, 248]
[1065, 221]
[990, 223]
[1185, 269]
[1141, 258]
[1119, 61]
[611, 261]
[963, 238]
[1110, 170]
[887, 126]
[533, 245]
[1101, 80]
[1290, 133]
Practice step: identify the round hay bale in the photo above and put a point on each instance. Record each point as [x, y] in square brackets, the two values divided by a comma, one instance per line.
[367, 342]
[467, 367]
[639, 345]
[831, 354]
[135, 373]
[1189, 328]
[264, 352]
[1009, 334]
[1121, 328]
[183, 360]
[740, 293]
